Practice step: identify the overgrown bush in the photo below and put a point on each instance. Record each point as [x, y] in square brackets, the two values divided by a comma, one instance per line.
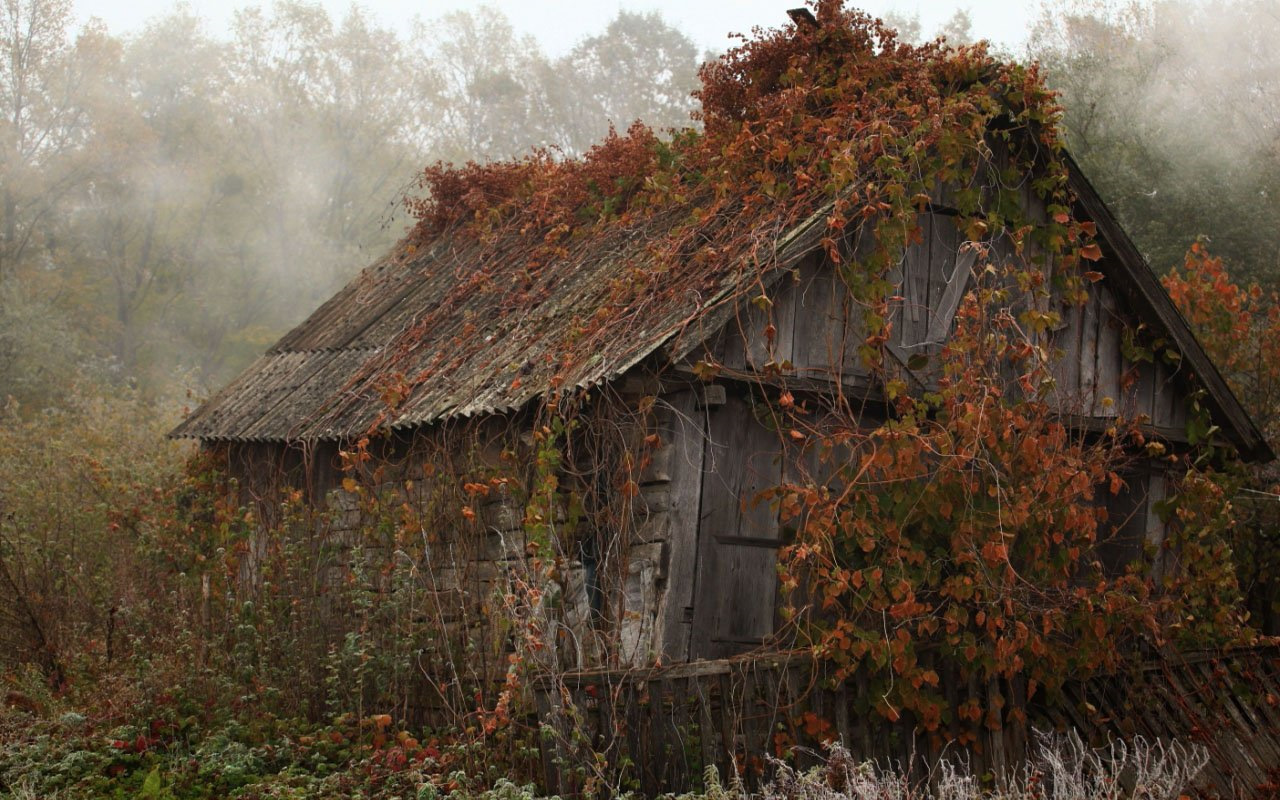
[76, 482]
[1239, 325]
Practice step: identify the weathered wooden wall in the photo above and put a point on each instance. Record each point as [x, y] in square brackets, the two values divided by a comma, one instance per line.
[645, 568]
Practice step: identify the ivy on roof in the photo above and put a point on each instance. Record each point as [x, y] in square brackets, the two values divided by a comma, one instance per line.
[840, 119]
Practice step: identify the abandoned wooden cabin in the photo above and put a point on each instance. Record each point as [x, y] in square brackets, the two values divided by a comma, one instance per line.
[702, 569]
[454, 338]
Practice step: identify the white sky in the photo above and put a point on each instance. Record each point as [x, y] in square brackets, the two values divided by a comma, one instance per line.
[558, 25]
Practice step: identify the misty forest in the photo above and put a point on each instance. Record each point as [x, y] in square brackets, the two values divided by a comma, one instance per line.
[255, 614]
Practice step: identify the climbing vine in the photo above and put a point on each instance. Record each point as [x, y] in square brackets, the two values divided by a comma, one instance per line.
[1239, 327]
[958, 542]
[838, 121]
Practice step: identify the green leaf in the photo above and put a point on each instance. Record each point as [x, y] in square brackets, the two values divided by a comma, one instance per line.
[152, 786]
[917, 361]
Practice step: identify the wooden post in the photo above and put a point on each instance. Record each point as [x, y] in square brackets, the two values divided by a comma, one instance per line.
[550, 747]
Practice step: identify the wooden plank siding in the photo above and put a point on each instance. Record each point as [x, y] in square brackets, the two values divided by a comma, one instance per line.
[683, 430]
[807, 326]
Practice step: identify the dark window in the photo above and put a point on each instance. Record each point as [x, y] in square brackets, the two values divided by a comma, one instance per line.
[1122, 537]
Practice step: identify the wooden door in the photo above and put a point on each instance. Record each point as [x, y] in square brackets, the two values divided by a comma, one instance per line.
[736, 588]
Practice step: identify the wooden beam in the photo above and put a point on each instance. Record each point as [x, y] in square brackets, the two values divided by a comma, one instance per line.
[949, 304]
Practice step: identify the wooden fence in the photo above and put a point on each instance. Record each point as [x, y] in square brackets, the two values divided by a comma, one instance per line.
[1228, 703]
[657, 730]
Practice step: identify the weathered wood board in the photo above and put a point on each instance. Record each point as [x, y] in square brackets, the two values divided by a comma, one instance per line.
[738, 536]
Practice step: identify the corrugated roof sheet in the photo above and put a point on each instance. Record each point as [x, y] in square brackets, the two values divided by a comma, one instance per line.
[474, 328]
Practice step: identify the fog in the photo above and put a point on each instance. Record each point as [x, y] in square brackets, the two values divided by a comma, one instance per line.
[173, 202]
[558, 25]
[1173, 109]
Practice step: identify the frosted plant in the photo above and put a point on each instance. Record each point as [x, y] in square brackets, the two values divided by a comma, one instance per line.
[1063, 767]
[1139, 769]
[957, 782]
[839, 777]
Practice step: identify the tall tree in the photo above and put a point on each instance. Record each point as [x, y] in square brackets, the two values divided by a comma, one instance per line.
[42, 131]
[639, 68]
[142, 219]
[487, 86]
[40, 119]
